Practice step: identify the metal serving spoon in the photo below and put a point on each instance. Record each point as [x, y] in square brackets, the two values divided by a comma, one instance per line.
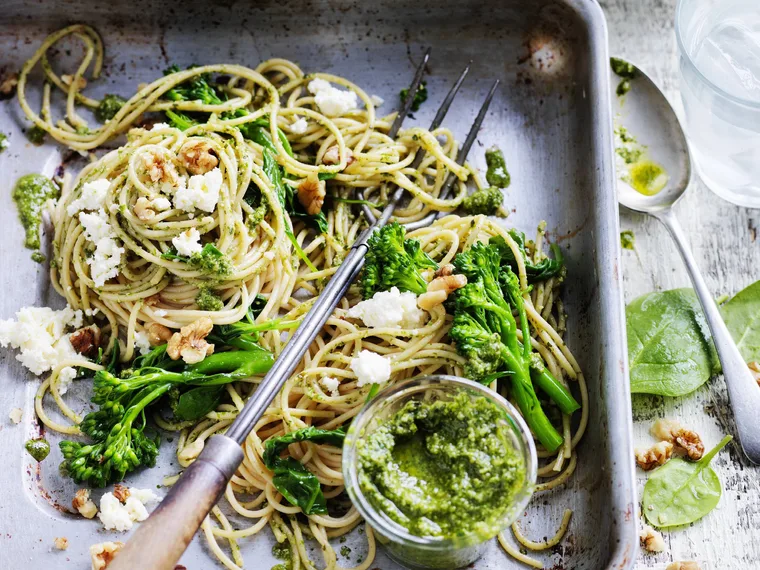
[657, 126]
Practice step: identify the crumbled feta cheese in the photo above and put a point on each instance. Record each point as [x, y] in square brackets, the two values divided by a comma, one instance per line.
[65, 378]
[331, 101]
[159, 126]
[16, 415]
[117, 516]
[202, 192]
[91, 312]
[299, 126]
[39, 333]
[188, 242]
[371, 368]
[377, 101]
[142, 343]
[389, 309]
[104, 263]
[499, 171]
[92, 197]
[160, 204]
[331, 385]
[4, 144]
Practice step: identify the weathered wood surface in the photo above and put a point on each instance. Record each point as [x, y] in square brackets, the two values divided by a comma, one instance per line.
[723, 239]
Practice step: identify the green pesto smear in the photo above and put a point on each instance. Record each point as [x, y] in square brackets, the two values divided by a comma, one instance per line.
[208, 300]
[641, 173]
[627, 239]
[4, 144]
[496, 168]
[626, 71]
[37, 448]
[30, 193]
[281, 551]
[442, 469]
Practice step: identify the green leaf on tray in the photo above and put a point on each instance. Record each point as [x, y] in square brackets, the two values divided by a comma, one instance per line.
[669, 352]
[742, 316]
[681, 492]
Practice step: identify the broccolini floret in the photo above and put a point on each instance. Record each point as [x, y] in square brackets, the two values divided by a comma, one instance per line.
[108, 107]
[419, 97]
[485, 333]
[196, 88]
[535, 270]
[393, 261]
[484, 201]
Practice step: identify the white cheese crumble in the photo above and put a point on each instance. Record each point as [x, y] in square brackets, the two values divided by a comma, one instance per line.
[65, 378]
[104, 263]
[389, 309]
[331, 385]
[16, 415]
[188, 242]
[377, 101]
[159, 126]
[92, 197]
[161, 204]
[117, 516]
[499, 171]
[202, 192]
[4, 144]
[331, 101]
[371, 368]
[299, 126]
[141, 342]
[39, 333]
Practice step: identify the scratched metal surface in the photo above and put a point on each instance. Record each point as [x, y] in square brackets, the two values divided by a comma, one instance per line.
[723, 238]
[551, 118]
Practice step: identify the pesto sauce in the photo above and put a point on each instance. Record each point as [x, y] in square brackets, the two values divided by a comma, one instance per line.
[208, 300]
[496, 173]
[647, 177]
[442, 469]
[627, 240]
[3, 142]
[626, 71]
[281, 551]
[37, 448]
[30, 193]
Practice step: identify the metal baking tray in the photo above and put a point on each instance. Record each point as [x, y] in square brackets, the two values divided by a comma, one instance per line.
[552, 119]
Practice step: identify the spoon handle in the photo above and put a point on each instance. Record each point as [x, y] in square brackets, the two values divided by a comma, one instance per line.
[743, 390]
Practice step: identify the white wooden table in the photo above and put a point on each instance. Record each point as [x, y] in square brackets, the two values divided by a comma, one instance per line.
[723, 239]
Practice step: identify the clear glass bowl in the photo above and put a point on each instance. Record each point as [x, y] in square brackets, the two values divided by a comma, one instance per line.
[432, 552]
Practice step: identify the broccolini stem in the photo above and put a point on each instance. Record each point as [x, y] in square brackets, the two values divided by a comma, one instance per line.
[556, 391]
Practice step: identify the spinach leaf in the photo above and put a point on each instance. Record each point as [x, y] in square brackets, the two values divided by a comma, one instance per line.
[681, 492]
[197, 402]
[669, 353]
[540, 271]
[291, 478]
[742, 316]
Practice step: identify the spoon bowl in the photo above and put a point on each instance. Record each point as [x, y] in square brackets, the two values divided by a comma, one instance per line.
[657, 130]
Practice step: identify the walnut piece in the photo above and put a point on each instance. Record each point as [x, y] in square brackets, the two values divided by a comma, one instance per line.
[189, 343]
[655, 456]
[690, 565]
[68, 79]
[438, 290]
[754, 368]
[445, 270]
[86, 340]
[121, 493]
[103, 553]
[651, 540]
[61, 542]
[158, 334]
[8, 86]
[143, 209]
[431, 299]
[197, 156]
[332, 156]
[161, 169]
[311, 194]
[684, 439]
[83, 505]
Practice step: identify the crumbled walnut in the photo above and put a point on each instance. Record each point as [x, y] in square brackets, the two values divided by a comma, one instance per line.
[8, 86]
[445, 270]
[684, 439]
[16, 415]
[103, 553]
[143, 209]
[651, 540]
[61, 542]
[121, 493]
[189, 343]
[754, 368]
[439, 289]
[86, 340]
[332, 156]
[158, 334]
[161, 169]
[311, 194]
[690, 565]
[68, 79]
[655, 456]
[83, 505]
[431, 299]
[197, 156]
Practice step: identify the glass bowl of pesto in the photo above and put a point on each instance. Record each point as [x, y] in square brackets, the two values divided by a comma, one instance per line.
[438, 466]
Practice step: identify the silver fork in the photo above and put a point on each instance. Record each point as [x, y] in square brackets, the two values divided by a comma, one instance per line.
[160, 541]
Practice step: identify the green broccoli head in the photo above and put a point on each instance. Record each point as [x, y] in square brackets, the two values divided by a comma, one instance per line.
[484, 201]
[196, 88]
[108, 107]
[481, 348]
[393, 261]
